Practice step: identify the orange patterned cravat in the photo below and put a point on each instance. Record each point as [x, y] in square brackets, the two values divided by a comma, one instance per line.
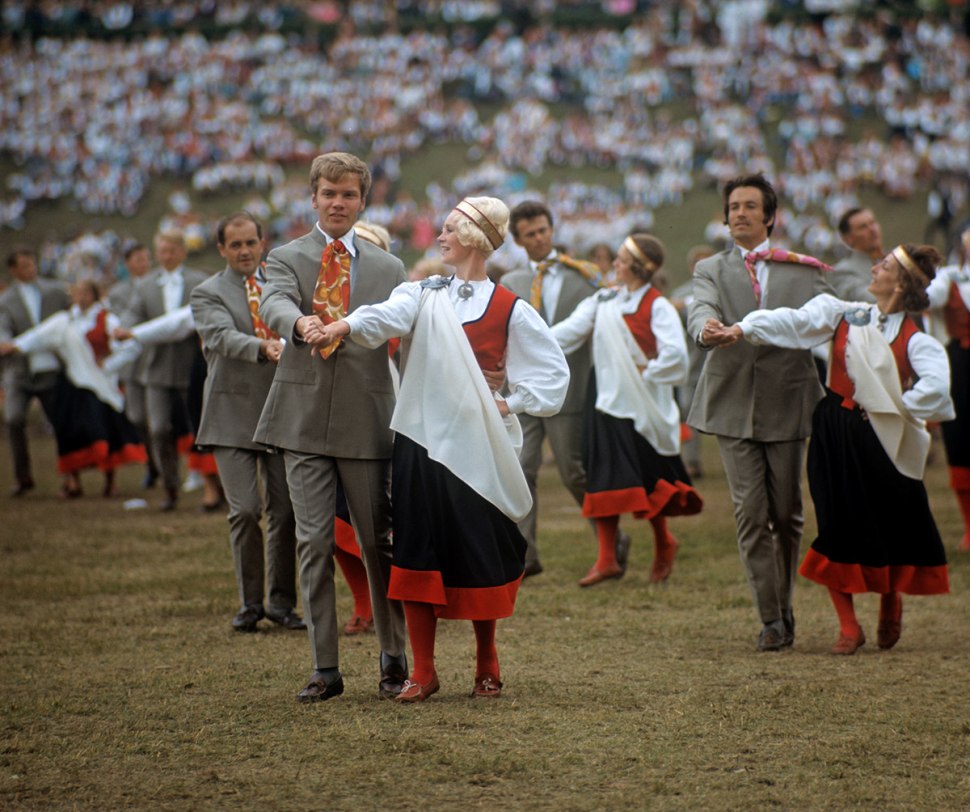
[331, 297]
[253, 291]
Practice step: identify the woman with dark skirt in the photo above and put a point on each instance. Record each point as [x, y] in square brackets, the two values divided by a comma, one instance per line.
[457, 487]
[869, 440]
[949, 294]
[632, 425]
[89, 423]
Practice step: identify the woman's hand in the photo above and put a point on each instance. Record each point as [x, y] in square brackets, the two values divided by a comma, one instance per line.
[503, 408]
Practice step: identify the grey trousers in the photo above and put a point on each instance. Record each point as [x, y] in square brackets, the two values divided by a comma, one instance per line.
[765, 484]
[240, 470]
[161, 403]
[312, 480]
[17, 396]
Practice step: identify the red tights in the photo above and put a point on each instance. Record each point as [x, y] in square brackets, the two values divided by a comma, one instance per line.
[422, 628]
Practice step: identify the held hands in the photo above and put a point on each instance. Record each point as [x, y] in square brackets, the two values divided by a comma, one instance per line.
[271, 349]
[320, 335]
[121, 334]
[7, 348]
[716, 334]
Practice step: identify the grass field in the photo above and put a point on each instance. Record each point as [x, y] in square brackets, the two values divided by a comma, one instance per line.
[123, 685]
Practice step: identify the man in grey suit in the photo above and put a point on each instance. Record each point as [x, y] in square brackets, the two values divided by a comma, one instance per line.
[28, 302]
[861, 233]
[165, 375]
[138, 263]
[331, 417]
[757, 400]
[241, 354]
[554, 283]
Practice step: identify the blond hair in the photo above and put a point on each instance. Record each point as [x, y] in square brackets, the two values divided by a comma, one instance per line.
[482, 219]
[334, 166]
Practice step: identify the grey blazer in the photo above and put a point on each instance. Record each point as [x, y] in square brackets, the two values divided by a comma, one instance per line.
[341, 406]
[850, 278]
[15, 319]
[745, 391]
[165, 365]
[239, 377]
[575, 288]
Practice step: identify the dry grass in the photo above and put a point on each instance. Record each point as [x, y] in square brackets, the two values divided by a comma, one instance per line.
[124, 687]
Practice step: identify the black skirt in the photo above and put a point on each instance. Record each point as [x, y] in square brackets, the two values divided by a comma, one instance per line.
[875, 529]
[452, 548]
[625, 474]
[956, 433]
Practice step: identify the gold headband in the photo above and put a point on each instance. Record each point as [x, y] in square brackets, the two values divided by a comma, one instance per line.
[634, 249]
[906, 261]
[492, 234]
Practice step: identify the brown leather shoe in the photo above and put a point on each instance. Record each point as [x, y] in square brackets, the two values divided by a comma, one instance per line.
[317, 689]
[358, 625]
[487, 687]
[594, 576]
[416, 692]
[849, 645]
[890, 628]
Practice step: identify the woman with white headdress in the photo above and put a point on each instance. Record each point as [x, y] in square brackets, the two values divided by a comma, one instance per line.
[457, 486]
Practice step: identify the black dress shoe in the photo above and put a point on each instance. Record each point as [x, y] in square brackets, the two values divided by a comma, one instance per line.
[288, 620]
[532, 568]
[247, 618]
[788, 619]
[622, 549]
[772, 637]
[171, 500]
[22, 487]
[318, 690]
[393, 676]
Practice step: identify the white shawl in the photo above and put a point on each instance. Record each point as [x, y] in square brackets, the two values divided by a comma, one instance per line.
[445, 406]
[871, 366]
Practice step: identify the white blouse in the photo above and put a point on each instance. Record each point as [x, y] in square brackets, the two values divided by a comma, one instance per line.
[939, 288]
[815, 323]
[535, 366]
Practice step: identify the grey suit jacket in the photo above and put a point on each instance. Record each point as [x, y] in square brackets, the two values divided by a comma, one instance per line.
[14, 320]
[745, 391]
[575, 288]
[851, 277]
[239, 378]
[165, 365]
[341, 406]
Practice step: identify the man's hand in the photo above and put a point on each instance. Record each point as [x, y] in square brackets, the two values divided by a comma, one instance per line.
[7, 348]
[495, 378]
[716, 334]
[121, 334]
[271, 349]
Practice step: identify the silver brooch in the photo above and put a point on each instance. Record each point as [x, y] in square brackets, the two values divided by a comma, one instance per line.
[858, 316]
[606, 295]
[465, 291]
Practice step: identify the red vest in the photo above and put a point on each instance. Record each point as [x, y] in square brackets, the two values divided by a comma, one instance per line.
[97, 337]
[956, 317]
[639, 323]
[839, 380]
[489, 333]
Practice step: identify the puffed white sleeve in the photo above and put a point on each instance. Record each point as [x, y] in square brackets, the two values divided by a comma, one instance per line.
[929, 399]
[43, 337]
[536, 368]
[172, 326]
[574, 330]
[671, 364]
[372, 325]
[938, 290]
[811, 324]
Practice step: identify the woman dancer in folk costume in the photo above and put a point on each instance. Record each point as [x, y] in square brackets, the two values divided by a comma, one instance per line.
[632, 423]
[457, 486]
[869, 441]
[949, 293]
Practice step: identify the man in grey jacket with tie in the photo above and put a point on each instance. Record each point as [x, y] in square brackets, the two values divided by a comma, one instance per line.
[241, 353]
[166, 368]
[758, 400]
[330, 413]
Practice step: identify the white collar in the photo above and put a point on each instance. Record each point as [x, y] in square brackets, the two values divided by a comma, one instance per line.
[744, 251]
[349, 244]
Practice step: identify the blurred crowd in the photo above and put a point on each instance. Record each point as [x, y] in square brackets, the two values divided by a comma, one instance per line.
[677, 97]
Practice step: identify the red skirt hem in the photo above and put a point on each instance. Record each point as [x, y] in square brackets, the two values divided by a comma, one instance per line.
[453, 602]
[857, 578]
[92, 456]
[666, 499]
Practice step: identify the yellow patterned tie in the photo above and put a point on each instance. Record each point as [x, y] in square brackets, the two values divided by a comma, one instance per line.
[331, 297]
[253, 291]
[535, 295]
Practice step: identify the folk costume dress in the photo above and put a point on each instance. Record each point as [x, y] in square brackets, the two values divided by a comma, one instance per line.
[869, 444]
[949, 293]
[90, 427]
[631, 446]
[457, 489]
